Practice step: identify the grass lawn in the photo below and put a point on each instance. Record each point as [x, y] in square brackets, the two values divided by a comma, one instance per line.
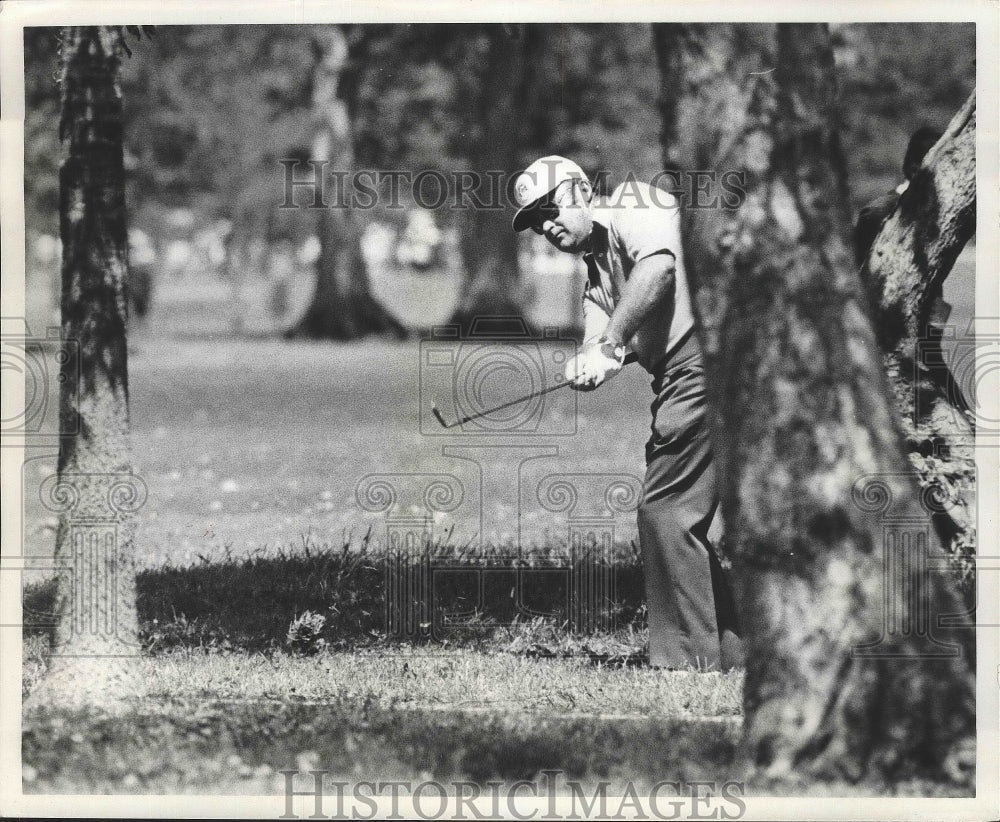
[232, 692]
[230, 723]
[248, 445]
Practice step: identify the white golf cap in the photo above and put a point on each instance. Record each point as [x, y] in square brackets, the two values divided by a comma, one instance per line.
[539, 180]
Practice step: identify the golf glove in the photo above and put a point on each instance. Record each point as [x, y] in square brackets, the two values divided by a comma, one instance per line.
[595, 364]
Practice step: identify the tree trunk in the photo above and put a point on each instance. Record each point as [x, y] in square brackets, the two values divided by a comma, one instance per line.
[94, 491]
[848, 676]
[492, 284]
[909, 260]
[673, 43]
[342, 306]
[920, 241]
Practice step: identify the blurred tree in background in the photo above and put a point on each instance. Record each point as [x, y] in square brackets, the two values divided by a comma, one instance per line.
[597, 99]
[42, 149]
[497, 85]
[210, 110]
[210, 114]
[342, 306]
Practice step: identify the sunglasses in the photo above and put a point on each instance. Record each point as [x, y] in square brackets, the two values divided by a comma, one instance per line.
[541, 215]
[549, 209]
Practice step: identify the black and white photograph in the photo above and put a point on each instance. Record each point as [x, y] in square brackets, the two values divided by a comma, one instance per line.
[527, 412]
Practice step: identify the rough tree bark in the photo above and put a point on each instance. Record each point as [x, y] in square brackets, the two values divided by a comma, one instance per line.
[824, 523]
[342, 306]
[492, 284]
[908, 262]
[94, 491]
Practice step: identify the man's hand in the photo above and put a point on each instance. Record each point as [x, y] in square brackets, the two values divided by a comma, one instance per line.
[594, 365]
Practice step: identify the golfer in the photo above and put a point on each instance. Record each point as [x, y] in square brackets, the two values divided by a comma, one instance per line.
[636, 299]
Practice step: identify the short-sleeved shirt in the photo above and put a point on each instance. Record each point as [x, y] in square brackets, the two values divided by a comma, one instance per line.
[634, 222]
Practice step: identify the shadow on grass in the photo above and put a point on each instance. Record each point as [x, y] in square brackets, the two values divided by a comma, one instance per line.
[322, 597]
[226, 747]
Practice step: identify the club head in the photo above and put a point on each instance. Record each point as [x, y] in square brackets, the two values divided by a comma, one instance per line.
[438, 417]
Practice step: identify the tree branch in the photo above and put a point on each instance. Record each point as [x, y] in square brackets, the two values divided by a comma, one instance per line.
[918, 245]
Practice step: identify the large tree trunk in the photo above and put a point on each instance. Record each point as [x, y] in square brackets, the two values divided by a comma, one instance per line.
[829, 539]
[908, 262]
[343, 306]
[492, 284]
[94, 492]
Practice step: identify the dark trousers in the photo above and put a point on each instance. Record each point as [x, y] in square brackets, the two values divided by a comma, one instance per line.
[692, 619]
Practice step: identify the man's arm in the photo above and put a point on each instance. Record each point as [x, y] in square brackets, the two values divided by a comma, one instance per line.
[595, 319]
[651, 282]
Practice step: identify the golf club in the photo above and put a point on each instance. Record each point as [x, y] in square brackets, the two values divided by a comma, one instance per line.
[630, 358]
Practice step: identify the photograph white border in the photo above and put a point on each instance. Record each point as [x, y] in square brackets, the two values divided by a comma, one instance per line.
[16, 14]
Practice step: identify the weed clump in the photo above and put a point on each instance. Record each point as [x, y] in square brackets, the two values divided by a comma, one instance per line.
[305, 634]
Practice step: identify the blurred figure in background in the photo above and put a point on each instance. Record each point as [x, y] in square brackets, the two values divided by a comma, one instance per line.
[281, 271]
[141, 262]
[420, 245]
[43, 282]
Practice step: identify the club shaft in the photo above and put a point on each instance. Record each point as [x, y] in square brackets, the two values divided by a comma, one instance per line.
[525, 398]
[631, 358]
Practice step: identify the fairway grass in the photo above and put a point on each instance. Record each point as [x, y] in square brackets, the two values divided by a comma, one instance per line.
[232, 722]
[435, 678]
[185, 746]
[227, 701]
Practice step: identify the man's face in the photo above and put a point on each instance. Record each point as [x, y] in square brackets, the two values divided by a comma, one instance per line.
[565, 218]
